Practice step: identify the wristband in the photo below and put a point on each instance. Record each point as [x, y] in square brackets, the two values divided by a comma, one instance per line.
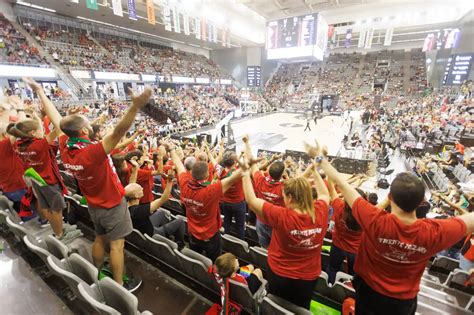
[319, 159]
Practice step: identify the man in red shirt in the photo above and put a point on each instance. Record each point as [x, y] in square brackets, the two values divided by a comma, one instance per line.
[396, 246]
[232, 205]
[201, 201]
[92, 167]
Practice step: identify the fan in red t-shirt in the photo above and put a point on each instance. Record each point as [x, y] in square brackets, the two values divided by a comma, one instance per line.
[294, 255]
[346, 236]
[396, 246]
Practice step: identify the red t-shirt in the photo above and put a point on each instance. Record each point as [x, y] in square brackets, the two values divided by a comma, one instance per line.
[38, 156]
[268, 189]
[94, 172]
[145, 179]
[202, 207]
[11, 168]
[343, 237]
[392, 255]
[295, 248]
[235, 193]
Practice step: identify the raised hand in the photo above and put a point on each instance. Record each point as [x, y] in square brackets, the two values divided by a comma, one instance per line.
[141, 100]
[35, 86]
[245, 138]
[313, 150]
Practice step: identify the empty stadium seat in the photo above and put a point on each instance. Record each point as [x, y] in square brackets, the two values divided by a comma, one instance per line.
[56, 247]
[137, 239]
[197, 267]
[275, 305]
[343, 277]
[456, 279]
[251, 233]
[322, 286]
[340, 292]
[108, 297]
[444, 264]
[163, 251]
[240, 293]
[236, 246]
[259, 257]
[37, 247]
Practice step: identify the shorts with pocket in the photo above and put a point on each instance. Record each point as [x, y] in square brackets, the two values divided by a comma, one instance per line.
[115, 223]
[49, 197]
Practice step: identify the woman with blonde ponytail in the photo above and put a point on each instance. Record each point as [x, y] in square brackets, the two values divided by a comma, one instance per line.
[294, 254]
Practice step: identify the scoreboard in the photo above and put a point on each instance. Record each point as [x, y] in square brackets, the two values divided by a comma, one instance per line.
[253, 76]
[298, 36]
[458, 69]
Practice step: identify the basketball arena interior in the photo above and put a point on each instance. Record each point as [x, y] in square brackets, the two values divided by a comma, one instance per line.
[226, 157]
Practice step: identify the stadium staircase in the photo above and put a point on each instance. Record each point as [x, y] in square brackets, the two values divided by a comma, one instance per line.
[63, 73]
[99, 45]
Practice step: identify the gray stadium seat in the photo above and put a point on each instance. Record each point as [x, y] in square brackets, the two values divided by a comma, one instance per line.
[236, 246]
[340, 292]
[251, 232]
[456, 280]
[56, 247]
[109, 297]
[163, 251]
[444, 264]
[83, 269]
[62, 269]
[196, 266]
[275, 305]
[259, 257]
[322, 287]
[19, 230]
[342, 277]
[37, 247]
[137, 239]
[240, 293]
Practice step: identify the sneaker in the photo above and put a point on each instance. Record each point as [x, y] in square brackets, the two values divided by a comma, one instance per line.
[105, 271]
[132, 284]
[70, 235]
[43, 223]
[69, 228]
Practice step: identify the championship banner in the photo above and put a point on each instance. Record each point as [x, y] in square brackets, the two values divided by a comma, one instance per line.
[132, 11]
[388, 37]
[203, 29]
[186, 24]
[117, 7]
[167, 18]
[362, 35]
[197, 27]
[177, 27]
[348, 40]
[92, 4]
[369, 38]
[150, 10]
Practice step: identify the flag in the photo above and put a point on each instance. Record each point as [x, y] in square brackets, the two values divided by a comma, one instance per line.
[176, 25]
[167, 18]
[348, 41]
[117, 7]
[132, 12]
[186, 23]
[92, 4]
[369, 38]
[388, 37]
[362, 36]
[197, 25]
[150, 9]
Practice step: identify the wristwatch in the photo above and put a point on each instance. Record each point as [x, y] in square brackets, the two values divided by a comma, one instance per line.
[319, 158]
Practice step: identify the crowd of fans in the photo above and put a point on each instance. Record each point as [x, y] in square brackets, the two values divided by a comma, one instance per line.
[288, 200]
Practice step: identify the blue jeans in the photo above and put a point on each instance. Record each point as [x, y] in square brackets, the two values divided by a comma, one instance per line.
[264, 233]
[336, 258]
[16, 196]
[236, 211]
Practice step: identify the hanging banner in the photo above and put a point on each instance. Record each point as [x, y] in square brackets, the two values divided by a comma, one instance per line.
[176, 25]
[388, 37]
[197, 29]
[150, 10]
[92, 4]
[362, 36]
[186, 23]
[167, 18]
[348, 40]
[132, 12]
[368, 39]
[223, 38]
[117, 7]
[330, 31]
[203, 29]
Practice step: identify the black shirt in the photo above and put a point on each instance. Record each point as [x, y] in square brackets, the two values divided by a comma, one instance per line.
[140, 215]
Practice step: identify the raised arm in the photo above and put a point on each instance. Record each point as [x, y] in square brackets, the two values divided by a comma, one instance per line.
[349, 193]
[123, 144]
[332, 190]
[231, 180]
[171, 148]
[134, 173]
[255, 204]
[157, 203]
[469, 220]
[48, 106]
[248, 153]
[138, 102]
[321, 189]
